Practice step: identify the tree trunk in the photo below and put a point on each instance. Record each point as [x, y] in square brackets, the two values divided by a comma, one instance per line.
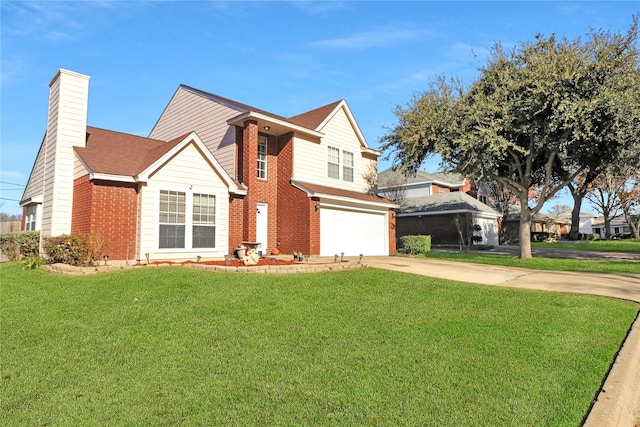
[607, 226]
[574, 232]
[525, 232]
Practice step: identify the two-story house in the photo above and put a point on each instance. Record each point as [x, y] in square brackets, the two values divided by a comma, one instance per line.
[212, 174]
[441, 205]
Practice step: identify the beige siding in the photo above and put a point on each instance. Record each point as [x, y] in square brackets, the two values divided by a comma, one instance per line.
[34, 185]
[310, 158]
[189, 172]
[79, 170]
[191, 112]
[66, 128]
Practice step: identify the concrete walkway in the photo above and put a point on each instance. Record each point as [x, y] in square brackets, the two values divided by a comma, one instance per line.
[618, 404]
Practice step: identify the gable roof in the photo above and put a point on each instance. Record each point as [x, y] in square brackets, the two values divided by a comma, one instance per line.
[120, 156]
[456, 201]
[314, 118]
[394, 177]
[116, 153]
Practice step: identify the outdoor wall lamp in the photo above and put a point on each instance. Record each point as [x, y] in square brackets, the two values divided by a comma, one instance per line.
[106, 258]
[266, 128]
[317, 207]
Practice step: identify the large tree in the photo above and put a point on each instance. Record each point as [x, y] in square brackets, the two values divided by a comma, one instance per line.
[516, 124]
[605, 110]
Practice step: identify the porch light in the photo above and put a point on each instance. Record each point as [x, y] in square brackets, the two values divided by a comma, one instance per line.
[267, 128]
[106, 258]
[317, 207]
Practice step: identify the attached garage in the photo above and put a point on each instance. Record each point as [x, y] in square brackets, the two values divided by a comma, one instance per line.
[353, 232]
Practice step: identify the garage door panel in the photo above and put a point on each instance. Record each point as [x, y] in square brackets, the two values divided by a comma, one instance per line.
[352, 232]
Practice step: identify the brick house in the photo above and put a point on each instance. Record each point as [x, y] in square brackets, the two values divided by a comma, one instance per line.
[441, 205]
[213, 173]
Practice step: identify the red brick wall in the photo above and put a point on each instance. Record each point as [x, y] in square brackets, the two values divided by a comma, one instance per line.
[236, 212]
[109, 210]
[298, 221]
[249, 177]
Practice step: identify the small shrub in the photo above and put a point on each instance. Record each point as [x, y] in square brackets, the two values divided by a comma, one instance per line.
[416, 245]
[79, 250]
[33, 262]
[20, 245]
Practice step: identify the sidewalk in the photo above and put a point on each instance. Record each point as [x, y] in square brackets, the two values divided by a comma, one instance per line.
[618, 404]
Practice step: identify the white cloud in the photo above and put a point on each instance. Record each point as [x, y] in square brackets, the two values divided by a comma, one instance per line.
[383, 37]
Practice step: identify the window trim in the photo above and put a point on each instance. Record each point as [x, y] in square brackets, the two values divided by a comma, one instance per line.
[31, 224]
[341, 166]
[262, 141]
[189, 223]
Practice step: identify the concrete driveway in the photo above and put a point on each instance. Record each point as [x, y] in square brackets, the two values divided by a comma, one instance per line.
[618, 403]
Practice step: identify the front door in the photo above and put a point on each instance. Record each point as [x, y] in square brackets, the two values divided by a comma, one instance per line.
[262, 215]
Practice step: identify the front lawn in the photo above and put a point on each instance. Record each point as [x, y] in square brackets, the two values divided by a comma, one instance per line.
[542, 263]
[168, 346]
[627, 245]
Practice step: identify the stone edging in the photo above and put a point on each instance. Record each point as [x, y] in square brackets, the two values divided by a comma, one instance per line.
[281, 269]
[618, 403]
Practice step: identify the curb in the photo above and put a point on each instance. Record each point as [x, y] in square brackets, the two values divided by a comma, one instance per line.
[618, 403]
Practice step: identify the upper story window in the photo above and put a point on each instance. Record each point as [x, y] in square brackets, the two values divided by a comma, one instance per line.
[337, 163]
[30, 220]
[262, 157]
[347, 166]
[333, 163]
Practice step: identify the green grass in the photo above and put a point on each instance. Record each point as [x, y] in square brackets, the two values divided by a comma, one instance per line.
[177, 346]
[542, 263]
[628, 245]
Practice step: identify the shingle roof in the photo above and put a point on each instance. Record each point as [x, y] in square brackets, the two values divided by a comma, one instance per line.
[117, 153]
[444, 202]
[312, 119]
[392, 177]
[317, 189]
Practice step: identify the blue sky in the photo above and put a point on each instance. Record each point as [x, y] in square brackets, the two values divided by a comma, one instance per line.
[283, 57]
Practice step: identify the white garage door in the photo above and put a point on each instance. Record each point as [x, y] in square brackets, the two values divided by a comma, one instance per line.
[352, 232]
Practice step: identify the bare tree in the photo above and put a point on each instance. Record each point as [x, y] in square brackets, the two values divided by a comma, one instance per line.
[604, 195]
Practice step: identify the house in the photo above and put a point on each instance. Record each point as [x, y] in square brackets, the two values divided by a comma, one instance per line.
[212, 174]
[441, 205]
[617, 225]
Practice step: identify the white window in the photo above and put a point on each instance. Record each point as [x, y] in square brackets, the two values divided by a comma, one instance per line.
[204, 221]
[172, 219]
[347, 166]
[333, 163]
[186, 221]
[30, 220]
[262, 157]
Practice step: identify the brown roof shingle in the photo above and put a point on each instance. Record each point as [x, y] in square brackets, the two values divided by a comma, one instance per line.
[117, 153]
[312, 119]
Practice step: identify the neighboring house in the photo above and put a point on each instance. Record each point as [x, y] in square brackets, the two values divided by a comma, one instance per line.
[440, 205]
[617, 225]
[212, 174]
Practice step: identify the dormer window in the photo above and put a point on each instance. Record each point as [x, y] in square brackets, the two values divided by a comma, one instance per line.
[262, 157]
